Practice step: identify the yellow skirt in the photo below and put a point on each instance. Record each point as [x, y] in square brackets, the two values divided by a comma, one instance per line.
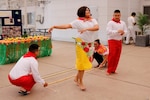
[83, 55]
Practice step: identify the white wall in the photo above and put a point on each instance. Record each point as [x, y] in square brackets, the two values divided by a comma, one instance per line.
[144, 3]
[24, 13]
[64, 11]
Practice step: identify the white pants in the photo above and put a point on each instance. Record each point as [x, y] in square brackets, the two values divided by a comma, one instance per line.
[130, 33]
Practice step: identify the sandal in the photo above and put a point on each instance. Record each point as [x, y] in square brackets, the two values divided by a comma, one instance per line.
[23, 92]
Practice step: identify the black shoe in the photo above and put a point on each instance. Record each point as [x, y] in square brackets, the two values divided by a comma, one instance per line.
[23, 92]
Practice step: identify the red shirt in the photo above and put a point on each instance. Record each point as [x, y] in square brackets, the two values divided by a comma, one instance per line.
[101, 49]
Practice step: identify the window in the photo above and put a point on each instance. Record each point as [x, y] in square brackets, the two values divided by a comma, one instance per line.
[30, 18]
[147, 10]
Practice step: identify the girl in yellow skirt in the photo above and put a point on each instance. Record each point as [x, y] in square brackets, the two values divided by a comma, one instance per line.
[87, 32]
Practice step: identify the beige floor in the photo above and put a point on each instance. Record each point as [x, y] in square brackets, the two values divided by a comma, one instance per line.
[131, 83]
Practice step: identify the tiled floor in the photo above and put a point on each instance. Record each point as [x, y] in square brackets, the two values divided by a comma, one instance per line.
[131, 83]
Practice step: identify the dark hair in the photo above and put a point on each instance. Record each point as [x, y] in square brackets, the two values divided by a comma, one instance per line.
[81, 11]
[117, 11]
[33, 47]
[98, 41]
[133, 14]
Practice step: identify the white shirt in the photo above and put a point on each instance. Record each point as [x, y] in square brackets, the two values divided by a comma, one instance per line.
[88, 36]
[26, 66]
[112, 30]
[131, 22]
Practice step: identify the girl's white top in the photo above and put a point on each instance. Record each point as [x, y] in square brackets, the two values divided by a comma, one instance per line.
[88, 36]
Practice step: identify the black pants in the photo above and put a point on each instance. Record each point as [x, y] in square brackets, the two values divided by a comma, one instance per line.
[98, 58]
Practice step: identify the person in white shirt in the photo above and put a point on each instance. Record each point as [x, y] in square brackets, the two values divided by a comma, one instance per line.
[115, 31]
[25, 72]
[87, 32]
[131, 31]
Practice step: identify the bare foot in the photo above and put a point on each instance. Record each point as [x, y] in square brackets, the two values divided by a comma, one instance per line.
[82, 87]
[76, 81]
[101, 66]
[22, 89]
[108, 73]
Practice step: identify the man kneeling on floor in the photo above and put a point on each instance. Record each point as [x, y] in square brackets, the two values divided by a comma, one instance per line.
[25, 73]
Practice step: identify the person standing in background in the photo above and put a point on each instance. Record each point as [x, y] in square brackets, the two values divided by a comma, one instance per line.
[87, 29]
[115, 31]
[131, 31]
